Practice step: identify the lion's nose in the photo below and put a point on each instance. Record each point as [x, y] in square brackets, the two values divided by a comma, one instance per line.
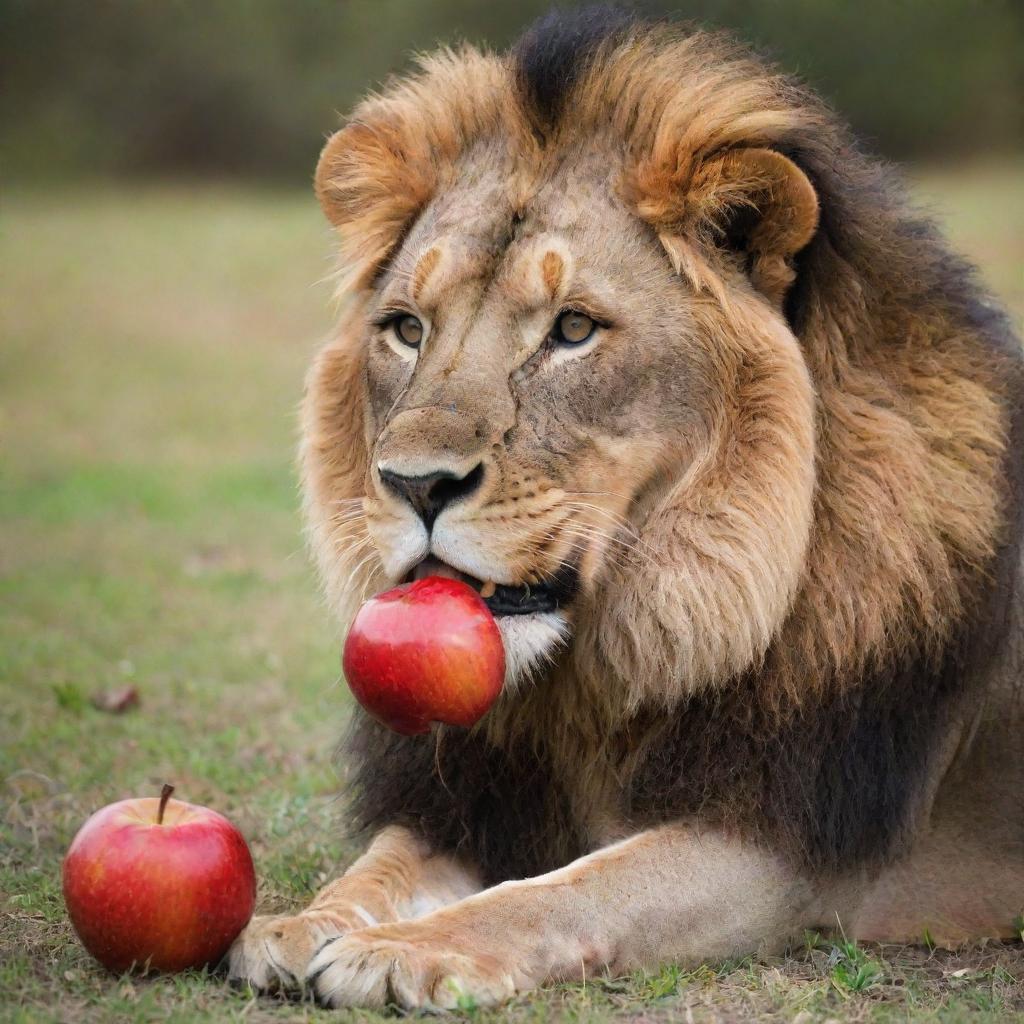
[429, 493]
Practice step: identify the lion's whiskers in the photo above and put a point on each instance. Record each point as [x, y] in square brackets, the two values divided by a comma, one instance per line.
[356, 546]
[349, 515]
[621, 546]
[359, 567]
[635, 544]
[618, 520]
[619, 552]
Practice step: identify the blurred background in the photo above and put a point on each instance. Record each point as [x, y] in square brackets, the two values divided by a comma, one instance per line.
[249, 87]
[163, 285]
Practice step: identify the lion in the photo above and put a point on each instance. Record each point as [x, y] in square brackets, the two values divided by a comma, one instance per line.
[636, 338]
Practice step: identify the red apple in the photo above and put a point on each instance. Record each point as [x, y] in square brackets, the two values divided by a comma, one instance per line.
[155, 882]
[428, 651]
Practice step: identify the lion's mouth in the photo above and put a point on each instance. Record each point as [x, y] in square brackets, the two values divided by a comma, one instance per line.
[526, 599]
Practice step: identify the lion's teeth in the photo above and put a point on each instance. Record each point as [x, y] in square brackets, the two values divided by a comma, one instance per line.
[488, 589]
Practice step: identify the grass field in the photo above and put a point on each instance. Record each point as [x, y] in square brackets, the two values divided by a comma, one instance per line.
[154, 342]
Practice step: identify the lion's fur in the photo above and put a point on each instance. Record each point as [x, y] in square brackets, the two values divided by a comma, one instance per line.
[828, 585]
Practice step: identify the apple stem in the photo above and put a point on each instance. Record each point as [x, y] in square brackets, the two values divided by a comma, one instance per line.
[165, 795]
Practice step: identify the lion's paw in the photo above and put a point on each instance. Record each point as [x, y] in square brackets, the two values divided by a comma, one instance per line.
[273, 951]
[372, 969]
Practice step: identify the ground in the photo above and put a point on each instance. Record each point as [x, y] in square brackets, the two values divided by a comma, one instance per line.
[154, 345]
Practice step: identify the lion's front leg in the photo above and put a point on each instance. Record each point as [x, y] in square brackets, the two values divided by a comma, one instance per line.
[667, 894]
[397, 878]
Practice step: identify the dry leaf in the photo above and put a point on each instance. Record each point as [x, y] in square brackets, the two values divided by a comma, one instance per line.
[116, 700]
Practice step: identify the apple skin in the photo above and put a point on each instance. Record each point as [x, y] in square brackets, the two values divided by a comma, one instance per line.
[428, 651]
[168, 896]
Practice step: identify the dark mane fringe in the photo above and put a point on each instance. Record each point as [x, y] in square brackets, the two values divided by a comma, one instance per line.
[504, 809]
[842, 779]
[554, 52]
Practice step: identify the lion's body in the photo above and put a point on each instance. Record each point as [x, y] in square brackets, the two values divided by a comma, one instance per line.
[780, 498]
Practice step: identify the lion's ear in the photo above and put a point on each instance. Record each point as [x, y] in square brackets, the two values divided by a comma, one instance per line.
[371, 180]
[753, 202]
[758, 203]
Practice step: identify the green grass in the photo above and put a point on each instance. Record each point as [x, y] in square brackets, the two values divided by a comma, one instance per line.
[154, 342]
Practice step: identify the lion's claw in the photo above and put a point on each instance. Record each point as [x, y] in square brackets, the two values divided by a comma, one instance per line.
[370, 969]
[274, 951]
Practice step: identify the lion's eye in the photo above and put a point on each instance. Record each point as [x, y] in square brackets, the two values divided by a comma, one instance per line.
[408, 330]
[573, 329]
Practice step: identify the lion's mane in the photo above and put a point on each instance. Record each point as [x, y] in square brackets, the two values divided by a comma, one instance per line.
[829, 741]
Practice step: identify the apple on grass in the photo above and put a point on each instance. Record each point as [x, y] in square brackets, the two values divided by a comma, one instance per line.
[158, 883]
[428, 651]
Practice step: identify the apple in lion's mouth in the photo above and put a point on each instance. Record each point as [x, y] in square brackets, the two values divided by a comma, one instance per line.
[426, 651]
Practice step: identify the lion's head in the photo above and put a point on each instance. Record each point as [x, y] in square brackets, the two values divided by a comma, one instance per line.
[617, 346]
